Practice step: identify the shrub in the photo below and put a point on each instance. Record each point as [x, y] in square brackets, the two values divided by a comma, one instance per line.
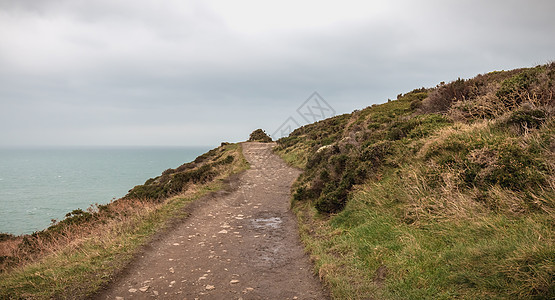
[227, 160]
[512, 89]
[373, 125]
[416, 127]
[303, 193]
[527, 118]
[173, 181]
[334, 196]
[259, 135]
[206, 156]
[339, 163]
[168, 171]
[75, 217]
[487, 162]
[6, 236]
[321, 156]
[516, 168]
[154, 192]
[202, 174]
[415, 104]
[427, 124]
[377, 152]
[186, 166]
[288, 141]
[441, 98]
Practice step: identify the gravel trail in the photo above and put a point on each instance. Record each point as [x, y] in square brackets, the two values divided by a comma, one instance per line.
[237, 244]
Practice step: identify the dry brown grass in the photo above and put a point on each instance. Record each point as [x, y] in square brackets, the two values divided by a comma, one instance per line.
[8, 247]
[494, 94]
[123, 214]
[432, 142]
[447, 202]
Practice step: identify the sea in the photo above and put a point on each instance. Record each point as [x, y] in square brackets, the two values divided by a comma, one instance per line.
[41, 184]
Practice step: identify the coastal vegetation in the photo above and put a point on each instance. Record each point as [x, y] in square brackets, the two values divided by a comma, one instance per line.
[446, 192]
[79, 254]
[259, 135]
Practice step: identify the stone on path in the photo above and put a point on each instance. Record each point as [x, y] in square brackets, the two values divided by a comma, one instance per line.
[144, 288]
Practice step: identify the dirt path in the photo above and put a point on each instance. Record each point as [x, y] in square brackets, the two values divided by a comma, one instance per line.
[240, 245]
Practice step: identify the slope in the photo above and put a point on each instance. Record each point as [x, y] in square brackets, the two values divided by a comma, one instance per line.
[445, 192]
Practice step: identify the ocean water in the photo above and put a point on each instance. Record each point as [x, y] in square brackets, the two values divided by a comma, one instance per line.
[38, 185]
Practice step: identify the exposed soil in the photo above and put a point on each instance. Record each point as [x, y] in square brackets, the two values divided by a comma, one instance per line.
[240, 244]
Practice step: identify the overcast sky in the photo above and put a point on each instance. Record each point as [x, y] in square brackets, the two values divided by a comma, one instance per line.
[137, 72]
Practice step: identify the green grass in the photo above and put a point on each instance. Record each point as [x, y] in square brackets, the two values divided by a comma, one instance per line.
[444, 193]
[296, 157]
[491, 257]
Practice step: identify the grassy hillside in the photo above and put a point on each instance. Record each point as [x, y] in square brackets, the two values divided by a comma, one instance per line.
[76, 256]
[446, 192]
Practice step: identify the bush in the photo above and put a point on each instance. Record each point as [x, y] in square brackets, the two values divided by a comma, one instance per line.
[259, 135]
[289, 141]
[377, 152]
[153, 192]
[484, 163]
[512, 89]
[415, 104]
[516, 168]
[527, 118]
[206, 156]
[227, 160]
[168, 171]
[6, 236]
[303, 193]
[416, 127]
[334, 196]
[173, 181]
[201, 175]
[441, 98]
[321, 157]
[76, 216]
[426, 125]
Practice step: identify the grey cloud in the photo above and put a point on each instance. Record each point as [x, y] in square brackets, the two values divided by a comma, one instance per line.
[121, 71]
